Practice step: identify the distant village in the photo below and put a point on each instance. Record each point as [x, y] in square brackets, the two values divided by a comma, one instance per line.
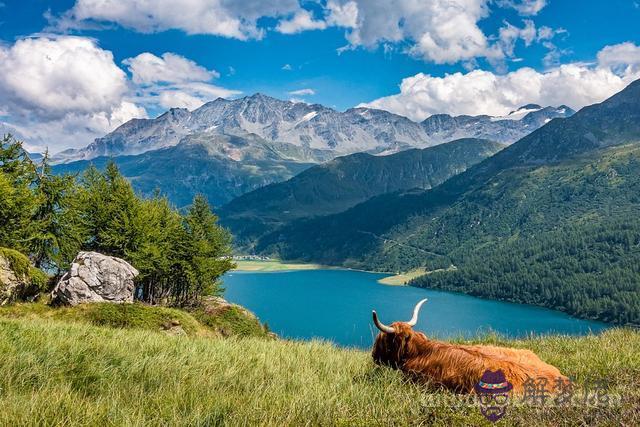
[251, 258]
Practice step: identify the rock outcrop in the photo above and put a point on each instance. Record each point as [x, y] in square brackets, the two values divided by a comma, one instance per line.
[10, 283]
[94, 277]
[18, 279]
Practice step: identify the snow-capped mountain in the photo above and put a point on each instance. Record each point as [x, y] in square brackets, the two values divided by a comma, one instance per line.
[505, 129]
[311, 127]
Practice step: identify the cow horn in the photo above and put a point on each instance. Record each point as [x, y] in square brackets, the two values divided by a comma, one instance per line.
[380, 325]
[414, 319]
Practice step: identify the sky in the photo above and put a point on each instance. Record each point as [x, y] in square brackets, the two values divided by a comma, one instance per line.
[73, 70]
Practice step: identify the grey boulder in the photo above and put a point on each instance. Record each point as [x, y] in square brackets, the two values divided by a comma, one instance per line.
[94, 277]
[10, 282]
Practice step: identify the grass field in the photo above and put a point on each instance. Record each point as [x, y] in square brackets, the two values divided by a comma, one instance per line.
[274, 265]
[402, 279]
[58, 372]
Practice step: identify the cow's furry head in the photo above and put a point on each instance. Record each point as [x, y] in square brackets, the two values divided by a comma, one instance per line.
[395, 343]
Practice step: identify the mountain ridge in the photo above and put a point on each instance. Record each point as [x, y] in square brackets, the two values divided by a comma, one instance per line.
[311, 126]
[345, 181]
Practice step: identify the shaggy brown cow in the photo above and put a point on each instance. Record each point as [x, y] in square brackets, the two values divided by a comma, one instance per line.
[456, 367]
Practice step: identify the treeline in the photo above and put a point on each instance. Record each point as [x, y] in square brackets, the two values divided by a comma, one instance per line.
[51, 218]
[590, 271]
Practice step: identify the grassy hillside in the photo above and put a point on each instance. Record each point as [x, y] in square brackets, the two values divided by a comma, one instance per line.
[56, 373]
[346, 181]
[211, 319]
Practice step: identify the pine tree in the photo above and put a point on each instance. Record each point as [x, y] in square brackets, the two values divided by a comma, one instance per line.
[209, 250]
[17, 201]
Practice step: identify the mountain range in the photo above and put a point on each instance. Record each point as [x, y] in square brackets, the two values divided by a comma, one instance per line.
[312, 127]
[550, 220]
[230, 147]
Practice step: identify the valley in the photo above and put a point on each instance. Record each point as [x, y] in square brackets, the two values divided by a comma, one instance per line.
[564, 193]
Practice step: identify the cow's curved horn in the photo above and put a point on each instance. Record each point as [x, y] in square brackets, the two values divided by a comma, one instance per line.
[380, 325]
[416, 310]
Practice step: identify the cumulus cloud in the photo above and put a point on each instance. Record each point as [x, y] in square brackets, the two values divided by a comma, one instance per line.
[442, 31]
[234, 19]
[64, 91]
[287, 67]
[55, 88]
[623, 58]
[170, 68]
[483, 92]
[171, 80]
[524, 7]
[342, 14]
[302, 92]
[55, 76]
[300, 21]
[190, 95]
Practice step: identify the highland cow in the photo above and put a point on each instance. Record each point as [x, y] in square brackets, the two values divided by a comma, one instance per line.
[456, 367]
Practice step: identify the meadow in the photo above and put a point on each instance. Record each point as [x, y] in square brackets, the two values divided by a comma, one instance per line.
[64, 368]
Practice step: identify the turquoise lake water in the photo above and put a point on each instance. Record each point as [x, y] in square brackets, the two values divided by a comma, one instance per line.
[336, 305]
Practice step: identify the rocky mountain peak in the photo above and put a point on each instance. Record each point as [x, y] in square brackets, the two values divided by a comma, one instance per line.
[311, 127]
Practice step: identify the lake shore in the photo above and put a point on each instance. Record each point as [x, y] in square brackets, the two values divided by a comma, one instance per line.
[402, 279]
[275, 265]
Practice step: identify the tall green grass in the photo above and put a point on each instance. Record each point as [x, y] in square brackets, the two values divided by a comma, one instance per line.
[60, 373]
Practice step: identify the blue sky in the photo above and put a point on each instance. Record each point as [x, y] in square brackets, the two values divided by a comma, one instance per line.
[413, 58]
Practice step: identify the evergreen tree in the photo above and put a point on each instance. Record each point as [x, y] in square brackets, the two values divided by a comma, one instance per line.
[59, 232]
[17, 201]
[208, 249]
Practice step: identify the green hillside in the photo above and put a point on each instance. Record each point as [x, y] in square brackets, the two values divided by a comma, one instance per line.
[57, 373]
[346, 181]
[550, 220]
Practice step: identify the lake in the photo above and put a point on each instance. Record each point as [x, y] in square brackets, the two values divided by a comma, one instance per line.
[336, 305]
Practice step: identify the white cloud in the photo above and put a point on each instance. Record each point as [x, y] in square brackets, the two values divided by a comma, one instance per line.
[442, 31]
[191, 95]
[55, 89]
[623, 57]
[75, 130]
[171, 68]
[173, 81]
[300, 21]
[524, 7]
[483, 92]
[64, 91]
[234, 19]
[509, 34]
[302, 92]
[55, 76]
[342, 14]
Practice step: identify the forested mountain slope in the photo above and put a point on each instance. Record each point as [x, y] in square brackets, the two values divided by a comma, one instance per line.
[346, 181]
[558, 210]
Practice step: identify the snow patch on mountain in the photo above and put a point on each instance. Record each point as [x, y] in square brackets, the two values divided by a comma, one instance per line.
[310, 127]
